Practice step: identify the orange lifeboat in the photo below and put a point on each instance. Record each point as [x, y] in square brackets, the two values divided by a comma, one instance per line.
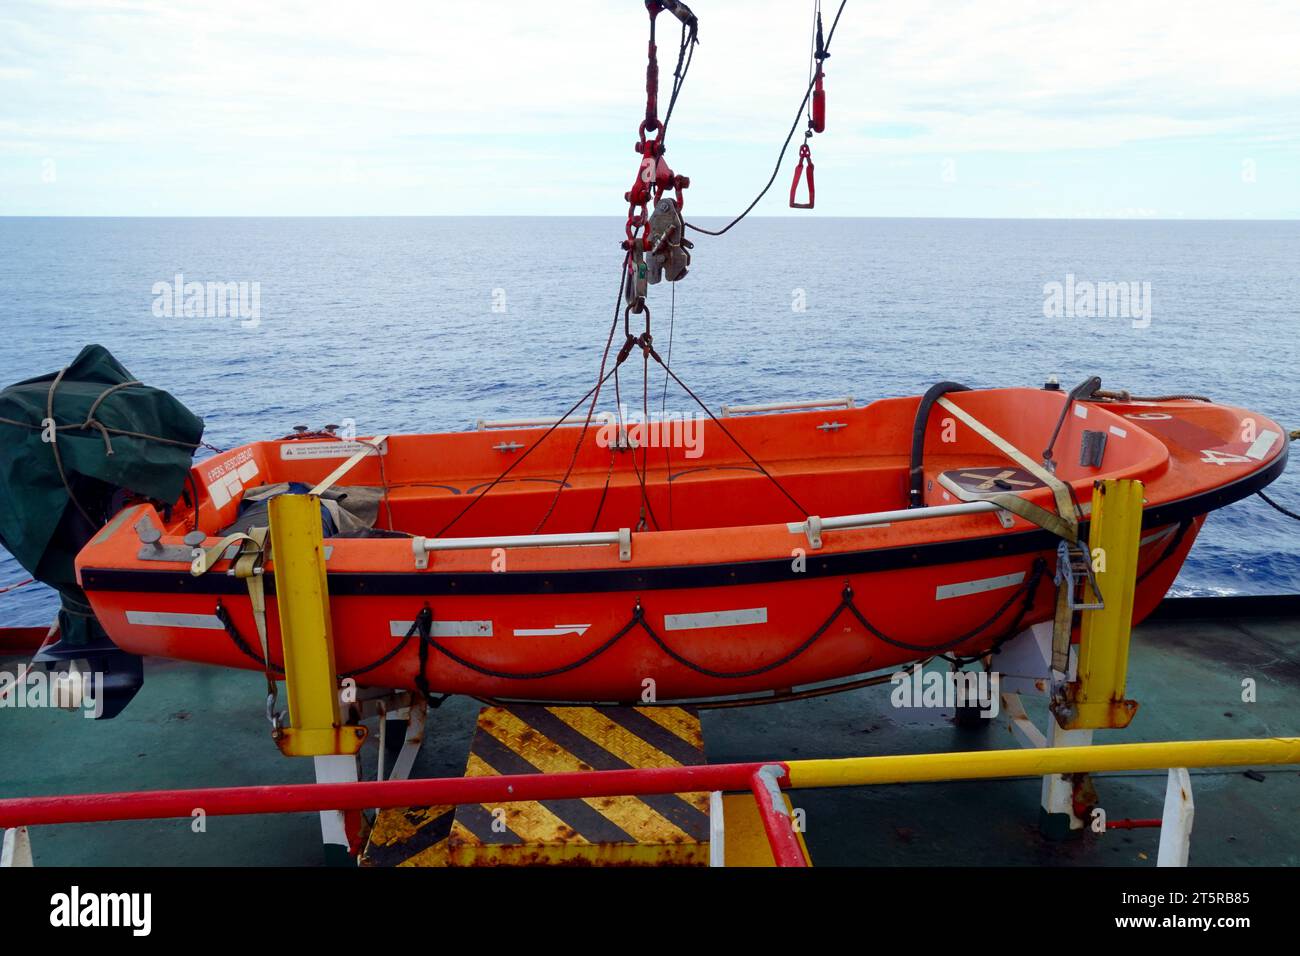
[609, 558]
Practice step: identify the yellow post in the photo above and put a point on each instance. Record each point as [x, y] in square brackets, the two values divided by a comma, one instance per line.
[1096, 699]
[302, 598]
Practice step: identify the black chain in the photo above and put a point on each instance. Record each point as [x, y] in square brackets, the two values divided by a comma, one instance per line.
[1168, 552]
[537, 675]
[1026, 590]
[227, 622]
[423, 626]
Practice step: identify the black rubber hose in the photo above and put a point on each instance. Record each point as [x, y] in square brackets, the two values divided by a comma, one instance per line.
[916, 467]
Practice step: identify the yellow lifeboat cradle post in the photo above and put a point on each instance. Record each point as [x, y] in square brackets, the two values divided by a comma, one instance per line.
[1084, 682]
[316, 726]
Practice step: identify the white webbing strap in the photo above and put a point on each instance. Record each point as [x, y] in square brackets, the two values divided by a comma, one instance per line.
[1065, 524]
[1060, 490]
[374, 446]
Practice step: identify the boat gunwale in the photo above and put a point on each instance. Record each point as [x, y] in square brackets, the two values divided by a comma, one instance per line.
[433, 582]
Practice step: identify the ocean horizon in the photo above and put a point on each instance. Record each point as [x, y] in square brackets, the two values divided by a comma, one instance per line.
[423, 323]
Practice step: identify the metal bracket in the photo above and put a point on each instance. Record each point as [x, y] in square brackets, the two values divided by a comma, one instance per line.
[813, 529]
[507, 446]
[625, 544]
[831, 426]
[1092, 449]
[421, 555]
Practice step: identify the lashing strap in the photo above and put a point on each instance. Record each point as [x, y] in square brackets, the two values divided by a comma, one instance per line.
[247, 566]
[375, 445]
[1065, 523]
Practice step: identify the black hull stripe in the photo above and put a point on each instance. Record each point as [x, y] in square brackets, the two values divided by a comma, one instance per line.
[770, 571]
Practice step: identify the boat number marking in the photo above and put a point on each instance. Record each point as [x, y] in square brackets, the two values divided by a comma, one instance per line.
[1212, 457]
[559, 630]
[445, 628]
[736, 618]
[962, 589]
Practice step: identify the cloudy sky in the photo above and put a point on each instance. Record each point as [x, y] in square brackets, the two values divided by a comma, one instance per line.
[998, 108]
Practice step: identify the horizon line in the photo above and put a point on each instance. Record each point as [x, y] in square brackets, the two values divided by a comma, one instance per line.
[4, 216]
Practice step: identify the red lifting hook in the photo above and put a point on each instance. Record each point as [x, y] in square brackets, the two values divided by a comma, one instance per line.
[804, 154]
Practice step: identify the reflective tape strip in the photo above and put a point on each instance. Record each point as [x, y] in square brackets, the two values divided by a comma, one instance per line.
[1157, 535]
[691, 622]
[445, 628]
[205, 622]
[1262, 445]
[945, 591]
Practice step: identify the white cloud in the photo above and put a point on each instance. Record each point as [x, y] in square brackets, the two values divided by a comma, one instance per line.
[419, 88]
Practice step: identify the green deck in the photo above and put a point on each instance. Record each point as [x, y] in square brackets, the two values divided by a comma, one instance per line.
[195, 726]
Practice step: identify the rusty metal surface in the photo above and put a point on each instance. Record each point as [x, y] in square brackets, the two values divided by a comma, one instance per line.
[668, 829]
[409, 836]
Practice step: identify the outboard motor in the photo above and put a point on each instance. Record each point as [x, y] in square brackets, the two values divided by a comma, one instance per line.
[75, 446]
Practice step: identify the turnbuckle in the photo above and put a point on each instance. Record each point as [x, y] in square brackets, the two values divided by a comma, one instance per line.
[1073, 569]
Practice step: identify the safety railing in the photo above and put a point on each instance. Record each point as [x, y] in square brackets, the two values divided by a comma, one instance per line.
[422, 547]
[765, 779]
[815, 525]
[813, 528]
[487, 424]
[845, 402]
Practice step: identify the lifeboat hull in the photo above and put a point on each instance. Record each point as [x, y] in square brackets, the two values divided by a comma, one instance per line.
[725, 592]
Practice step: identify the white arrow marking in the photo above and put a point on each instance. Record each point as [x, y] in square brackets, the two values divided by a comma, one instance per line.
[558, 630]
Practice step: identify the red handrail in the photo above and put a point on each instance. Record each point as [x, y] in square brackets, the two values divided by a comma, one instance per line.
[311, 797]
[765, 782]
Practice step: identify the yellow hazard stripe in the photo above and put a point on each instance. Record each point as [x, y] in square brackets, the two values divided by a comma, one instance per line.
[618, 740]
[678, 721]
[529, 820]
[629, 813]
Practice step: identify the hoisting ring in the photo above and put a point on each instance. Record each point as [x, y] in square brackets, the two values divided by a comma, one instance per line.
[805, 155]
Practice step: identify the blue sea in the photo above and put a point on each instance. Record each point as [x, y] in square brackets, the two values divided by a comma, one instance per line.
[415, 324]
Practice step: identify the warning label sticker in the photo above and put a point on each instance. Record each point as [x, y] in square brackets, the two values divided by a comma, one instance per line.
[328, 449]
